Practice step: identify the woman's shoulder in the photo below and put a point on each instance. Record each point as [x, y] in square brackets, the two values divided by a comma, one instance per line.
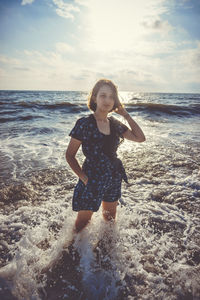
[84, 121]
[81, 130]
[115, 120]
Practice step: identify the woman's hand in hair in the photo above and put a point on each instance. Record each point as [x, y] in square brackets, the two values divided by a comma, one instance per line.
[121, 110]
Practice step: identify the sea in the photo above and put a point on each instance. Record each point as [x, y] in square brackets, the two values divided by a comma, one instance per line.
[152, 251]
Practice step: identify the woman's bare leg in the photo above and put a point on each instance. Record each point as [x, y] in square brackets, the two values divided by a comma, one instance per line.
[83, 218]
[109, 210]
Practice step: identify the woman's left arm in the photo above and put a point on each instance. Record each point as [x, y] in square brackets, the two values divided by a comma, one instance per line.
[135, 134]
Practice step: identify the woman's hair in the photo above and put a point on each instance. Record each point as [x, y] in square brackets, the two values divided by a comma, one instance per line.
[92, 97]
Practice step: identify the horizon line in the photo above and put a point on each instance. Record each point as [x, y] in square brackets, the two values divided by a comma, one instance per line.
[88, 91]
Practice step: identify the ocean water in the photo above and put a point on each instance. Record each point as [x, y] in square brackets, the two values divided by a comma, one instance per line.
[153, 250]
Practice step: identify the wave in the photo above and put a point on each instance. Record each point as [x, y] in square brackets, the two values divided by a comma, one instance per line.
[186, 108]
[150, 106]
[44, 104]
[32, 104]
[143, 108]
[118, 262]
[7, 112]
[21, 118]
[157, 108]
[63, 106]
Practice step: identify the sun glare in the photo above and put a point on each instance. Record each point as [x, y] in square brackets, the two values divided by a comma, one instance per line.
[116, 25]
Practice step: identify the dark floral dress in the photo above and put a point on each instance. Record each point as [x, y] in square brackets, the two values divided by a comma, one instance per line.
[104, 170]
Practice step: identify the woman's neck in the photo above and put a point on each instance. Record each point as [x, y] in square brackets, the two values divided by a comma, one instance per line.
[101, 115]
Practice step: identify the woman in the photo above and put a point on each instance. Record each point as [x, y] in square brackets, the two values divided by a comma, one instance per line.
[102, 172]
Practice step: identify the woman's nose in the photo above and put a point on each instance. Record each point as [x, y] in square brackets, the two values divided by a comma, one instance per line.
[107, 99]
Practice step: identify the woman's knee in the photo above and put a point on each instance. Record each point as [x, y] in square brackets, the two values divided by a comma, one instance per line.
[82, 219]
[109, 210]
[109, 215]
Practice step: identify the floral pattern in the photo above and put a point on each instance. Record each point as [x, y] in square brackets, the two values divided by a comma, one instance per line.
[104, 173]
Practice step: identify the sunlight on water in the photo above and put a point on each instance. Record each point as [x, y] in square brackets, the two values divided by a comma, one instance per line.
[154, 239]
[152, 252]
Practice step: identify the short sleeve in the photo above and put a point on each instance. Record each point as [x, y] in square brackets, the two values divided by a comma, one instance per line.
[120, 127]
[77, 131]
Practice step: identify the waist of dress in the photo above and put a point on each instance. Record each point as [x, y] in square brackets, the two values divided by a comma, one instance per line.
[106, 163]
[103, 159]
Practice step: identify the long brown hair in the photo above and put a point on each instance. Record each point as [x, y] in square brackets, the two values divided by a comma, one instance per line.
[92, 97]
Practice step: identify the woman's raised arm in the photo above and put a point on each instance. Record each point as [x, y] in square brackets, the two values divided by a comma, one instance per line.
[135, 134]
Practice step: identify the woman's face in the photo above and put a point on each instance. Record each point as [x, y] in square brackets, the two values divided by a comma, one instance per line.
[104, 99]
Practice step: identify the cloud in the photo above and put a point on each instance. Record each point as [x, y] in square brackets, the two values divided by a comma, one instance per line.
[65, 10]
[186, 65]
[163, 67]
[82, 2]
[152, 48]
[9, 61]
[158, 25]
[112, 25]
[21, 69]
[64, 48]
[83, 75]
[24, 2]
[47, 70]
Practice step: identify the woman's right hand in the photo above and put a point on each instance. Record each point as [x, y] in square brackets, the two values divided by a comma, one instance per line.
[84, 179]
[121, 110]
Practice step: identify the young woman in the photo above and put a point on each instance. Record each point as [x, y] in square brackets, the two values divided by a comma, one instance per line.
[102, 172]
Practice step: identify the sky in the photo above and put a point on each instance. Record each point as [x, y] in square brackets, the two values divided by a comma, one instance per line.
[141, 45]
